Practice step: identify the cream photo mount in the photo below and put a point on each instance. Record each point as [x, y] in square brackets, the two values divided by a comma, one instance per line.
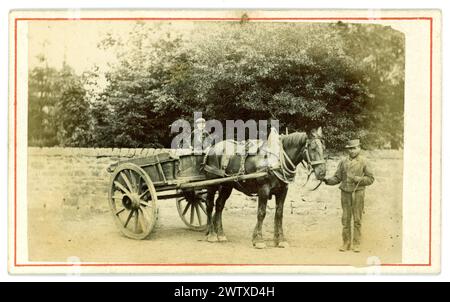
[421, 206]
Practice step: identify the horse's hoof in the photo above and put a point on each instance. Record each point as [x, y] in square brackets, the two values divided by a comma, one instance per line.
[283, 244]
[211, 238]
[259, 245]
[222, 238]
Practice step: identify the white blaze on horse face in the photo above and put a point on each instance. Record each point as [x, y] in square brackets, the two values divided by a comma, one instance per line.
[316, 155]
[319, 149]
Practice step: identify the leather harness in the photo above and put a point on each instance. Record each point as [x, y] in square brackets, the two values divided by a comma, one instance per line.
[286, 172]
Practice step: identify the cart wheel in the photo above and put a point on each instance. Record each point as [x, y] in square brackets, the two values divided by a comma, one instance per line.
[132, 199]
[192, 209]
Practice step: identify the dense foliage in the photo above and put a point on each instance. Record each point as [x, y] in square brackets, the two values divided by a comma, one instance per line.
[58, 110]
[347, 78]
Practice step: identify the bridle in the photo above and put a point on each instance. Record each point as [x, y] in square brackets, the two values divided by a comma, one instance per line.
[288, 168]
[309, 165]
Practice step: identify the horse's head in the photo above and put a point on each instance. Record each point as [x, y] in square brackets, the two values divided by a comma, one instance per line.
[314, 153]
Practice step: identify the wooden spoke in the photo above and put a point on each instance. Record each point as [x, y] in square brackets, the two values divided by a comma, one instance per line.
[136, 222]
[186, 208]
[192, 214]
[118, 196]
[192, 201]
[140, 184]
[120, 186]
[120, 211]
[144, 203]
[128, 219]
[142, 195]
[127, 181]
[133, 180]
[202, 207]
[199, 217]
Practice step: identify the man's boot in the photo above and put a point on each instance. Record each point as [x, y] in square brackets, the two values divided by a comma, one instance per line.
[345, 247]
[356, 248]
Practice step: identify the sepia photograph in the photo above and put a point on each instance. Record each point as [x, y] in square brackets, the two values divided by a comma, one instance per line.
[232, 141]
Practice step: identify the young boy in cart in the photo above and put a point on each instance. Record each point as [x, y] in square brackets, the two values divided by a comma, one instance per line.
[353, 174]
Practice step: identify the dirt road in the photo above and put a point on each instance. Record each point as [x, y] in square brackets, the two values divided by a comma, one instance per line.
[314, 233]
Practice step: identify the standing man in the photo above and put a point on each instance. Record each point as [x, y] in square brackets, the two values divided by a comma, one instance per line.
[354, 175]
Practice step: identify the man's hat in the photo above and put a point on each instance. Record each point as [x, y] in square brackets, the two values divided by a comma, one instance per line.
[200, 120]
[352, 143]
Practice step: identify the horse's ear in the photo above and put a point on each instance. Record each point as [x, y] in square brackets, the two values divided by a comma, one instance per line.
[319, 132]
[313, 133]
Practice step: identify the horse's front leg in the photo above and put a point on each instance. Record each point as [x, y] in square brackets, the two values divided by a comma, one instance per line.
[224, 194]
[211, 235]
[279, 239]
[263, 195]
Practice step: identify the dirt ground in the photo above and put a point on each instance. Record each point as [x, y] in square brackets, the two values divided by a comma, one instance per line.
[314, 235]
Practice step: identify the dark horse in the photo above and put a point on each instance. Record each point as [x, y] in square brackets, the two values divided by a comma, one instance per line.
[296, 148]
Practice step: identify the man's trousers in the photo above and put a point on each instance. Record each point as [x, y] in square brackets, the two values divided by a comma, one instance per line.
[352, 206]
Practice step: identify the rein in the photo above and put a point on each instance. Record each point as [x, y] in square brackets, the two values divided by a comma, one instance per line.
[308, 158]
[288, 168]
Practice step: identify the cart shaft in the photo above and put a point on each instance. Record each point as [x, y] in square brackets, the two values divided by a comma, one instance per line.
[218, 181]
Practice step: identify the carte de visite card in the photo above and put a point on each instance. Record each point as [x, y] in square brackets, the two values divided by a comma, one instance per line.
[201, 141]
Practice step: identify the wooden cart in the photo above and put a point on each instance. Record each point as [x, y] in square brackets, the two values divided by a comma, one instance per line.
[138, 184]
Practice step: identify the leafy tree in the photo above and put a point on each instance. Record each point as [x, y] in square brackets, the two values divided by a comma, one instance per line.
[73, 122]
[58, 110]
[348, 78]
[42, 96]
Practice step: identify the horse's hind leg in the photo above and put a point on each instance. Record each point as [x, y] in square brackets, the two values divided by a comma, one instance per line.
[263, 195]
[224, 193]
[211, 235]
[279, 239]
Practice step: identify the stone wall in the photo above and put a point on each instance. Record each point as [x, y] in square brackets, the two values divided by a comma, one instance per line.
[77, 178]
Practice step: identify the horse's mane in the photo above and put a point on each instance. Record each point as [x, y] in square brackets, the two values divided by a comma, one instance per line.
[294, 139]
